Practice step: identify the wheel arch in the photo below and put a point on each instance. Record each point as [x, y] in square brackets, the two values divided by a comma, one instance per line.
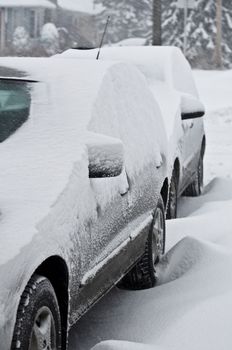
[164, 192]
[56, 271]
[176, 170]
[203, 146]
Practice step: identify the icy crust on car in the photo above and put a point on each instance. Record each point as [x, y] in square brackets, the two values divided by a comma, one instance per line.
[45, 192]
[47, 155]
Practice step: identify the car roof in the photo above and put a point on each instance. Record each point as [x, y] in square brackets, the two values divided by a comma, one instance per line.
[165, 63]
[46, 69]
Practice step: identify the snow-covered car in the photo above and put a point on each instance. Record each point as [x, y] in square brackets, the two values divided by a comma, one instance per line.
[170, 79]
[83, 187]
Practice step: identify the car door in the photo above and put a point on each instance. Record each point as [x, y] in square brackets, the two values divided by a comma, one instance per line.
[124, 204]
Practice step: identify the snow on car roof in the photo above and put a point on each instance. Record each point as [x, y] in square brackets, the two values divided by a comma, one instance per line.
[27, 3]
[165, 63]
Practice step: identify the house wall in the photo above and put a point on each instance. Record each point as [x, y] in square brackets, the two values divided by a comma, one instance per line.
[32, 19]
[82, 27]
[79, 29]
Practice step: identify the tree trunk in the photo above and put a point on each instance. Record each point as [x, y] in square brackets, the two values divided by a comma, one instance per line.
[218, 46]
[157, 34]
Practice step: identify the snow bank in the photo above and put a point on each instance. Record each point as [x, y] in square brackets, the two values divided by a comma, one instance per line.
[193, 298]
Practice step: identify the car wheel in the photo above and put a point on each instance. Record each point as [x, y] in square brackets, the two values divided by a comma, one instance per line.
[143, 275]
[172, 199]
[38, 324]
[196, 187]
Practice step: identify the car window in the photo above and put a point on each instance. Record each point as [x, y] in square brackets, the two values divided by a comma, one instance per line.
[15, 101]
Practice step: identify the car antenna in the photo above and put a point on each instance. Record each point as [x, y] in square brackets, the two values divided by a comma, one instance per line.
[103, 36]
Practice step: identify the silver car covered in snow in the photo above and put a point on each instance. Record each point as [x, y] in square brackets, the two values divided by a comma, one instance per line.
[170, 80]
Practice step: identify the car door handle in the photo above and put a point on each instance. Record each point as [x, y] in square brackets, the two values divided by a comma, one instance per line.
[159, 165]
[160, 162]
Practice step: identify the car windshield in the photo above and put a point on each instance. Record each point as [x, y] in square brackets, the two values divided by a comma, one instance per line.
[15, 101]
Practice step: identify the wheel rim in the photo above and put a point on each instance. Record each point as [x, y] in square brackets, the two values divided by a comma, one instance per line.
[43, 335]
[158, 233]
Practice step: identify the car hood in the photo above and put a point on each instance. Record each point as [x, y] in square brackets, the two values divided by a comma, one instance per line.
[45, 157]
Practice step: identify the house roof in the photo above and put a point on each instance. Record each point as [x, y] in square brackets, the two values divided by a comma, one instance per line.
[84, 6]
[27, 3]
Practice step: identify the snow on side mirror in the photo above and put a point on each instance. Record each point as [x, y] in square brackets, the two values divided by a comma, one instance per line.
[106, 156]
[191, 107]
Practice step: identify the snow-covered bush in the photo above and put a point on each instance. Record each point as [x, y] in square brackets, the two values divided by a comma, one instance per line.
[50, 38]
[21, 41]
[64, 38]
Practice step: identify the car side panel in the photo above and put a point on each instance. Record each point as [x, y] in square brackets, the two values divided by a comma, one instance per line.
[125, 246]
[190, 150]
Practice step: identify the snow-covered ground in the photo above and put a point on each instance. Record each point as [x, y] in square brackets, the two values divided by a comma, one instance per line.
[192, 306]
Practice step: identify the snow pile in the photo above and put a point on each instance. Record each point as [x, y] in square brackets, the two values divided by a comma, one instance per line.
[193, 298]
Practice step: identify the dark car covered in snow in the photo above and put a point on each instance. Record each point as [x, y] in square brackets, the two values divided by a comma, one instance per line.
[83, 190]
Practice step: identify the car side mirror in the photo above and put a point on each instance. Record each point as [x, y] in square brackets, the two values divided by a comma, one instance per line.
[106, 156]
[191, 107]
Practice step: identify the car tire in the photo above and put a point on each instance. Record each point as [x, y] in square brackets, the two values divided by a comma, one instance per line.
[196, 187]
[38, 323]
[172, 198]
[143, 274]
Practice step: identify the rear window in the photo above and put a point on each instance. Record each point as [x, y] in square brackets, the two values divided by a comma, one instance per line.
[15, 102]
